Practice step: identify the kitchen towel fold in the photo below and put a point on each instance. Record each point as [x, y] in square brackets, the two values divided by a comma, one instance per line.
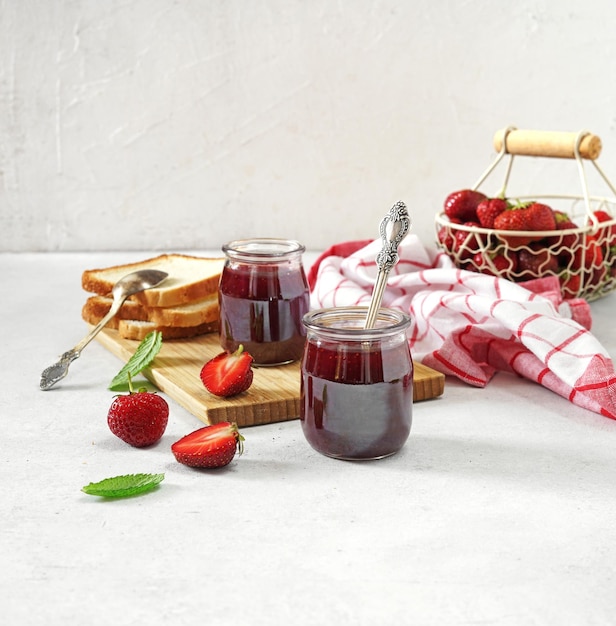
[472, 325]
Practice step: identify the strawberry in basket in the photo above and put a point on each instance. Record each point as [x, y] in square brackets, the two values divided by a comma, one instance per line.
[461, 206]
[529, 216]
[489, 209]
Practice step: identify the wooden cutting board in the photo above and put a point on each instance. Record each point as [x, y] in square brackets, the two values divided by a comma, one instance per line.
[273, 396]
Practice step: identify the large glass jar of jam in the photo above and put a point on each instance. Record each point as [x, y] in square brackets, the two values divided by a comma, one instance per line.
[356, 383]
[263, 295]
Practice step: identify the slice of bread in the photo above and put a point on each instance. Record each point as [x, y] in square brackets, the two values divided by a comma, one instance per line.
[190, 278]
[183, 315]
[92, 319]
[137, 330]
[96, 307]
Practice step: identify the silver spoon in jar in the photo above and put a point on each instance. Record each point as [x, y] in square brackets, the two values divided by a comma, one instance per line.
[126, 286]
[399, 224]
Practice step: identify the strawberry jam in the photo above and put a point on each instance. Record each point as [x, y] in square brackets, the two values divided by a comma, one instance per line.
[356, 384]
[263, 295]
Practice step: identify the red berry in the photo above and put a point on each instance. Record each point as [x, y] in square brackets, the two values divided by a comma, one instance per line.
[571, 239]
[564, 245]
[588, 254]
[606, 233]
[489, 209]
[139, 419]
[513, 219]
[445, 238]
[540, 217]
[570, 284]
[467, 242]
[461, 206]
[602, 216]
[590, 258]
[532, 216]
[211, 446]
[228, 374]
[497, 264]
[535, 263]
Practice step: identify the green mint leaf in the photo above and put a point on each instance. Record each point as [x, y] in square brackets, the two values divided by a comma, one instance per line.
[124, 486]
[143, 356]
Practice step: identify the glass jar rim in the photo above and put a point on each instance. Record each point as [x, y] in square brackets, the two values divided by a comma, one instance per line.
[263, 249]
[348, 322]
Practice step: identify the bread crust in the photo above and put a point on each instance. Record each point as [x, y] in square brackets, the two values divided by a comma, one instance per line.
[190, 314]
[174, 291]
[130, 329]
[138, 329]
[185, 305]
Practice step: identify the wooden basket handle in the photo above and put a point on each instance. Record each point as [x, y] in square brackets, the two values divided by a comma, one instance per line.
[544, 143]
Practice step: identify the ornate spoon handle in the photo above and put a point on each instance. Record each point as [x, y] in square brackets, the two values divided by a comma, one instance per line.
[56, 372]
[399, 225]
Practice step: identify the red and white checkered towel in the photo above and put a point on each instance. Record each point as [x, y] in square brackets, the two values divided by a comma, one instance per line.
[471, 325]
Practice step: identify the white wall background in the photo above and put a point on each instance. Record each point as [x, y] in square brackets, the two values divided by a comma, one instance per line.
[180, 124]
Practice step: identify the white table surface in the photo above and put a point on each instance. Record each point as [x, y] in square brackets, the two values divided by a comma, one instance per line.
[500, 509]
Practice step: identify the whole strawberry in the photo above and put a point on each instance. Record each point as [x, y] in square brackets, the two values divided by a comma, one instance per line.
[588, 255]
[530, 216]
[603, 216]
[536, 262]
[540, 217]
[228, 374]
[563, 222]
[489, 209]
[139, 419]
[210, 446]
[445, 238]
[606, 232]
[466, 242]
[566, 243]
[503, 264]
[570, 284]
[461, 206]
[592, 261]
[514, 218]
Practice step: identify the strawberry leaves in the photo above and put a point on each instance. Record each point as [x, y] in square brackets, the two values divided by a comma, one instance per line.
[124, 486]
[144, 355]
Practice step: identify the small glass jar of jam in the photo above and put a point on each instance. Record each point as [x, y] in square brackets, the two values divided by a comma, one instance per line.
[356, 384]
[263, 295]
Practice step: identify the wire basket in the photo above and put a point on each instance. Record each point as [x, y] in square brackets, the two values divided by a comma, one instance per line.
[583, 258]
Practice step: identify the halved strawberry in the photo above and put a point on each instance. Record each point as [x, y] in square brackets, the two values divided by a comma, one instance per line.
[228, 374]
[210, 446]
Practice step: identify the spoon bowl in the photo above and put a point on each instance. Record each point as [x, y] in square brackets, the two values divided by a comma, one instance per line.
[127, 286]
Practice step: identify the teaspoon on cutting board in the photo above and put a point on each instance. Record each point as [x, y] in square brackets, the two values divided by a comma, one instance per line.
[125, 287]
